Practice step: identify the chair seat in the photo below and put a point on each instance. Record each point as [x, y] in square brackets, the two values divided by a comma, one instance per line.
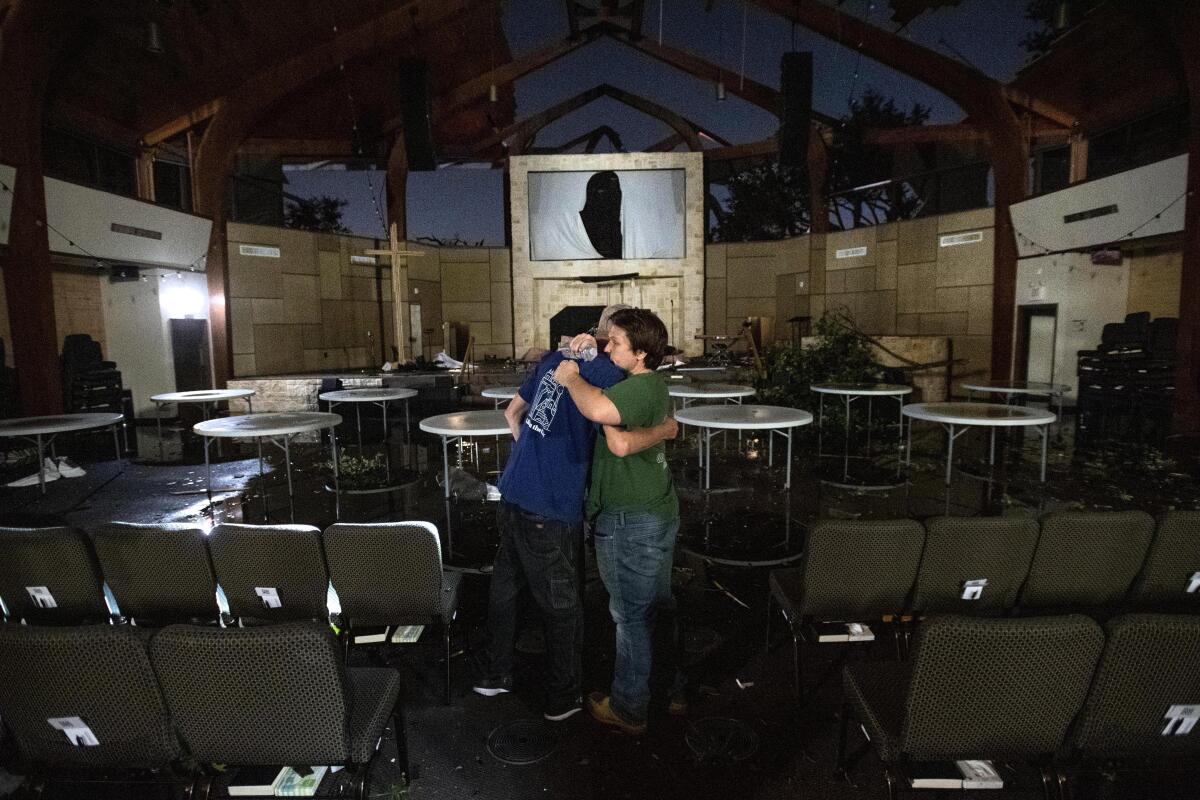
[372, 694]
[877, 693]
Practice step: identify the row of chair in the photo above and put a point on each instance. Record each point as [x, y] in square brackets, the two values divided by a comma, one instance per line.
[383, 574]
[1058, 690]
[1092, 562]
[83, 701]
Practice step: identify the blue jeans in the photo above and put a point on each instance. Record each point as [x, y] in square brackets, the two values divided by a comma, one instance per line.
[634, 552]
[541, 555]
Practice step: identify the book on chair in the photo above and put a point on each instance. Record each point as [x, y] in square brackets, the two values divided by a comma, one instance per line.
[371, 635]
[978, 774]
[256, 781]
[844, 632]
[934, 775]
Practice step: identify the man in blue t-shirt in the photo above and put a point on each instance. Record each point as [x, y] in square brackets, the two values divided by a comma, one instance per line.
[540, 522]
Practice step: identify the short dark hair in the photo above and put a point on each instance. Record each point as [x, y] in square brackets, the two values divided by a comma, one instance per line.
[646, 333]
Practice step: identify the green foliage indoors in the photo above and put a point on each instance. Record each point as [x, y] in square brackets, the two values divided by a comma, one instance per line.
[362, 472]
[837, 356]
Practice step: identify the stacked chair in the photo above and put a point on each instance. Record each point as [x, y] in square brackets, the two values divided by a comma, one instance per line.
[89, 382]
[1127, 385]
[1020, 667]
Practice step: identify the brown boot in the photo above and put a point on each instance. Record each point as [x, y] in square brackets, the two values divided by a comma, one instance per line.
[600, 707]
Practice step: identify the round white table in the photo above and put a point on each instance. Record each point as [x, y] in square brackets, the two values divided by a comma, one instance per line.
[380, 396]
[849, 392]
[968, 415]
[714, 419]
[691, 392]
[33, 429]
[278, 429]
[460, 425]
[1010, 390]
[501, 393]
[201, 396]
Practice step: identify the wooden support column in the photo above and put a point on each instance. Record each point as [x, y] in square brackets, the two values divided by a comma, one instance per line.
[30, 36]
[1079, 158]
[397, 203]
[1183, 20]
[145, 174]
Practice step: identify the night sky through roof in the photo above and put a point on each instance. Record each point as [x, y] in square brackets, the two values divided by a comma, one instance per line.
[465, 202]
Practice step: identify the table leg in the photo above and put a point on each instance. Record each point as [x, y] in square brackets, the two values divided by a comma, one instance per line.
[406, 423]
[446, 465]
[770, 450]
[262, 479]
[41, 465]
[707, 459]
[117, 444]
[992, 449]
[287, 460]
[208, 472]
[250, 403]
[1045, 435]
[899, 433]
[846, 442]
[384, 405]
[869, 407]
[950, 455]
[787, 481]
[820, 422]
[337, 489]
[358, 424]
[158, 422]
[908, 450]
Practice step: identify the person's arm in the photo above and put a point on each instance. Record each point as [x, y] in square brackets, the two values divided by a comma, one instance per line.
[590, 400]
[625, 443]
[514, 414]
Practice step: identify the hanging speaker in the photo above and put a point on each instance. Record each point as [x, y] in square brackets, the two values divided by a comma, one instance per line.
[417, 115]
[795, 111]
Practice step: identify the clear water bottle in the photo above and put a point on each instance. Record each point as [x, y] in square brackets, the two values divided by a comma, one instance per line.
[586, 354]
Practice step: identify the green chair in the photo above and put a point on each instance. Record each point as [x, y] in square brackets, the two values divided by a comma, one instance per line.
[49, 576]
[1086, 561]
[970, 550]
[975, 688]
[853, 571]
[1170, 579]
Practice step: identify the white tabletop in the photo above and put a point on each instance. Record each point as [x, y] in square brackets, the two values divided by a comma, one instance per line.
[467, 423]
[713, 390]
[744, 417]
[58, 423]
[281, 423]
[501, 392]
[700, 369]
[201, 396]
[862, 389]
[987, 414]
[368, 395]
[1018, 387]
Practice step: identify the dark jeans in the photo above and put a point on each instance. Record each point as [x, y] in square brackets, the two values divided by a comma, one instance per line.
[543, 555]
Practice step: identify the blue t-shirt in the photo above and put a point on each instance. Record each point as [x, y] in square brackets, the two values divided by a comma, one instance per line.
[547, 470]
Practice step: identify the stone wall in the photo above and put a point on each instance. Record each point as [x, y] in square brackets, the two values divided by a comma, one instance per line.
[310, 309]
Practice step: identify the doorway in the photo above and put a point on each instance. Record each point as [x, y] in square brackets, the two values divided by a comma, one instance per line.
[189, 351]
[1037, 331]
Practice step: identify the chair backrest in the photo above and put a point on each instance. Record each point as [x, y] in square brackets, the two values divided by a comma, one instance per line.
[1151, 662]
[1172, 567]
[271, 572]
[49, 576]
[859, 569]
[386, 573]
[272, 694]
[963, 549]
[1087, 559]
[157, 573]
[997, 687]
[99, 674]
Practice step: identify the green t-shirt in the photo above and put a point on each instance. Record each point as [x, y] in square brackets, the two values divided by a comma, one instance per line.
[642, 481]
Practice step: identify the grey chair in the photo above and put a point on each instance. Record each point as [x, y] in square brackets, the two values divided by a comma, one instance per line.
[271, 573]
[853, 571]
[49, 576]
[963, 549]
[1086, 561]
[1172, 567]
[275, 694]
[390, 573]
[159, 574]
[1124, 716]
[975, 688]
[98, 673]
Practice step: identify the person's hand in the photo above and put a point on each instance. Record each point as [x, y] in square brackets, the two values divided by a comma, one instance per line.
[567, 372]
[582, 342]
[672, 429]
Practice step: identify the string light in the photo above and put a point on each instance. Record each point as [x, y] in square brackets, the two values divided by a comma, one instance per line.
[1045, 251]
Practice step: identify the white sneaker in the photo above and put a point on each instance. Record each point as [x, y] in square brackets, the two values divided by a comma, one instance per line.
[69, 469]
[49, 470]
